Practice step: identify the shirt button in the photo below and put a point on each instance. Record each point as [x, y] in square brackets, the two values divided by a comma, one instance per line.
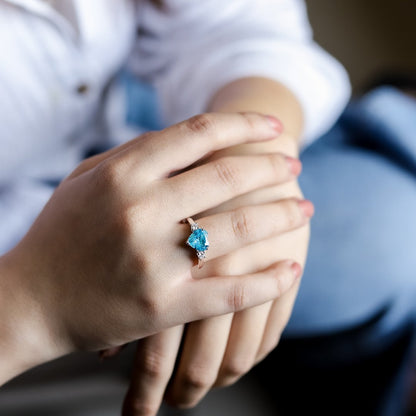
[82, 89]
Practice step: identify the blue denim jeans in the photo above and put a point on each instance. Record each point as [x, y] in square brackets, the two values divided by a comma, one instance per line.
[347, 347]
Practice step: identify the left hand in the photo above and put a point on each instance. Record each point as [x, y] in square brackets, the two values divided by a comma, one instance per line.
[218, 351]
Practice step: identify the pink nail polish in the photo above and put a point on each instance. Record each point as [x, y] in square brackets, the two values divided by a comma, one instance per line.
[297, 269]
[275, 123]
[307, 207]
[295, 165]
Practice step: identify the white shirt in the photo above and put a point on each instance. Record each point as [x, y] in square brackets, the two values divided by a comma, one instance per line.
[56, 71]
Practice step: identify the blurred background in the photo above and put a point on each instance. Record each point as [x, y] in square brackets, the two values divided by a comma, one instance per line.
[369, 37]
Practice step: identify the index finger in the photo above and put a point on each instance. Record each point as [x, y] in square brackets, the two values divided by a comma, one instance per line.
[182, 144]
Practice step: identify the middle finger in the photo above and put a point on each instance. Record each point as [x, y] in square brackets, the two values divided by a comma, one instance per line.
[211, 184]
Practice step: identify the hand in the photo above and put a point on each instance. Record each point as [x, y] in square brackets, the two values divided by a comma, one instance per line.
[218, 351]
[105, 262]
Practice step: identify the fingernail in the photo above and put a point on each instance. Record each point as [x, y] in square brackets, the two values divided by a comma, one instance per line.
[307, 207]
[297, 269]
[295, 165]
[275, 123]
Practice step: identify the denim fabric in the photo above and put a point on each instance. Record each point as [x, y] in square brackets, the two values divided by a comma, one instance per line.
[349, 341]
[361, 177]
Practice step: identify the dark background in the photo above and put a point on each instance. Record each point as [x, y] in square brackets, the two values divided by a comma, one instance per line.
[370, 37]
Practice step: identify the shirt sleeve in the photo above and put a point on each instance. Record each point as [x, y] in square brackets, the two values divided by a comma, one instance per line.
[190, 49]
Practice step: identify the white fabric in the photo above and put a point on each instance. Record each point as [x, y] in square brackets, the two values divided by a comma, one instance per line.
[45, 125]
[192, 48]
[187, 51]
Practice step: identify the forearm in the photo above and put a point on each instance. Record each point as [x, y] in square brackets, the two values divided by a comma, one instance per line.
[264, 96]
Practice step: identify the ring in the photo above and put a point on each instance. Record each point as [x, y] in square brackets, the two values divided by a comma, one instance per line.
[198, 240]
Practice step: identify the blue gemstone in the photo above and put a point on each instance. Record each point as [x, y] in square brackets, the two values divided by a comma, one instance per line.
[198, 240]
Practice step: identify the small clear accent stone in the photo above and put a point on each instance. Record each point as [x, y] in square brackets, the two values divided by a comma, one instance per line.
[200, 254]
[198, 240]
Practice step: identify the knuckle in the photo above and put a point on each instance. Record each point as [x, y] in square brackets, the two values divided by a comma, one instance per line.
[237, 299]
[152, 307]
[242, 224]
[200, 123]
[250, 119]
[291, 214]
[197, 378]
[109, 173]
[153, 364]
[236, 367]
[278, 166]
[283, 278]
[227, 173]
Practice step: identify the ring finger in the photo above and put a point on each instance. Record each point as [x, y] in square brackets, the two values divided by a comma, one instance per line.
[232, 230]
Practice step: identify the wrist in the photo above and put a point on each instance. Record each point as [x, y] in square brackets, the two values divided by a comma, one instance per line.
[265, 96]
[29, 334]
[268, 97]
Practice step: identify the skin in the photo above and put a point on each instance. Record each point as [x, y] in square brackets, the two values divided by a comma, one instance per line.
[218, 351]
[105, 262]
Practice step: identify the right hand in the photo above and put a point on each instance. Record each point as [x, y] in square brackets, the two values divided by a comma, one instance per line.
[106, 261]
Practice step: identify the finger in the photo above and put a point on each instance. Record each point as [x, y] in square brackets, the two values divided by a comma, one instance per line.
[277, 320]
[153, 367]
[265, 195]
[201, 358]
[293, 244]
[230, 231]
[246, 335]
[182, 144]
[211, 184]
[220, 295]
